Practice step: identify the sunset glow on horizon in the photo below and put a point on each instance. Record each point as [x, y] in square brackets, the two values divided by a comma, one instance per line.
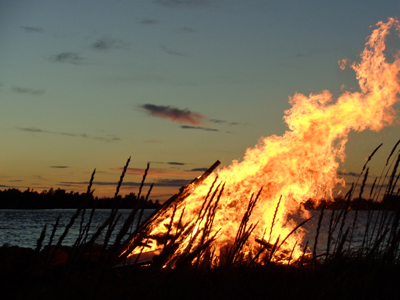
[179, 84]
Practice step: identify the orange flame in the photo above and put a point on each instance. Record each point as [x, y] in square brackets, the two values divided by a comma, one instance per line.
[299, 165]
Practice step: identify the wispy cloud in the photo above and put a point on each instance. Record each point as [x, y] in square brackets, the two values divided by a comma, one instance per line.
[27, 91]
[149, 22]
[106, 44]
[175, 163]
[174, 114]
[183, 3]
[31, 29]
[32, 129]
[348, 174]
[185, 30]
[216, 121]
[199, 128]
[172, 52]
[198, 170]
[68, 57]
[173, 182]
[106, 138]
[59, 167]
[158, 172]
[161, 182]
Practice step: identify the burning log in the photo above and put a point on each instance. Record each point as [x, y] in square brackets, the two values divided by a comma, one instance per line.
[183, 193]
[136, 240]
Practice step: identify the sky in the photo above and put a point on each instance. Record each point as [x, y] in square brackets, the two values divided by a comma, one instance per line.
[177, 83]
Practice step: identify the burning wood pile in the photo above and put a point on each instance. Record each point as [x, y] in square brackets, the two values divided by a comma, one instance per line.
[190, 242]
[243, 214]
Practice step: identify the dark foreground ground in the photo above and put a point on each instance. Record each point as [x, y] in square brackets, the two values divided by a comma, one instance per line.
[25, 274]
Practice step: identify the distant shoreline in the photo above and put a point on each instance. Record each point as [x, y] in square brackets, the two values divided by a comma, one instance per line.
[61, 199]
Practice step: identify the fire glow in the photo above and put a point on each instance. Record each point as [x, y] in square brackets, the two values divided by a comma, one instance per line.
[281, 172]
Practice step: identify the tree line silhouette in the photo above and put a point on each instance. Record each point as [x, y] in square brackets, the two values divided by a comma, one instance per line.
[389, 202]
[13, 198]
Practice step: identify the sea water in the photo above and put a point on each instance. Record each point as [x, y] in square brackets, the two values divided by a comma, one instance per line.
[23, 227]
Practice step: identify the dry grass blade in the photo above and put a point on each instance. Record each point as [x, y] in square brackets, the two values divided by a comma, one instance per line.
[121, 179]
[211, 210]
[142, 210]
[243, 232]
[373, 186]
[187, 259]
[88, 191]
[143, 179]
[291, 253]
[369, 157]
[152, 220]
[53, 232]
[112, 223]
[293, 230]
[390, 188]
[273, 219]
[356, 211]
[330, 233]
[273, 250]
[301, 259]
[391, 153]
[41, 238]
[339, 250]
[317, 234]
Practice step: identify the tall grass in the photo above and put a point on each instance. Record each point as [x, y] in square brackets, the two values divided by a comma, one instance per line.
[340, 257]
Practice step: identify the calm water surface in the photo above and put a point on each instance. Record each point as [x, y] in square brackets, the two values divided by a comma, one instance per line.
[23, 227]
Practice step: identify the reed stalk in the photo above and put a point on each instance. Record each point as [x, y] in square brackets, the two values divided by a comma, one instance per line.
[317, 235]
[330, 234]
[273, 219]
[356, 211]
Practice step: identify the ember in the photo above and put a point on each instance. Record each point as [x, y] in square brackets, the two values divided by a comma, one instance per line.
[241, 213]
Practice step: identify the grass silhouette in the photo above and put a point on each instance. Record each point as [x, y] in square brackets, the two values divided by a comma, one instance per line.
[86, 270]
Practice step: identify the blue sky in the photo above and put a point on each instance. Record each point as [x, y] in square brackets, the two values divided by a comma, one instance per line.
[86, 84]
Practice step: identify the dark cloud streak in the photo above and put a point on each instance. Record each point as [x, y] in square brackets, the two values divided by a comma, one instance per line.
[348, 174]
[198, 170]
[216, 121]
[27, 91]
[107, 138]
[183, 3]
[172, 52]
[31, 29]
[198, 128]
[161, 182]
[32, 129]
[174, 114]
[186, 30]
[68, 57]
[106, 44]
[175, 163]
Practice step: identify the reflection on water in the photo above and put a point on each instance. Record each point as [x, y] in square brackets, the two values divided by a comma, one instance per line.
[23, 227]
[356, 237]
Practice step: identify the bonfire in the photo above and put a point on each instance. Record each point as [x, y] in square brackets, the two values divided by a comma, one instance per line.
[242, 214]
